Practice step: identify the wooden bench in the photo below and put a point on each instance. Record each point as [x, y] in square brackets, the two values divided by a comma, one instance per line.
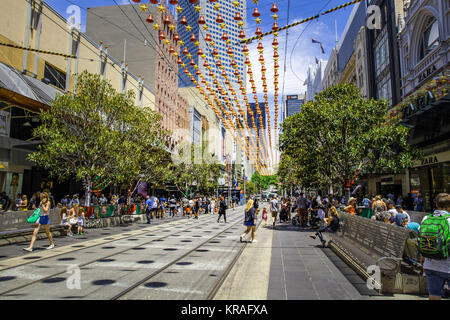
[362, 243]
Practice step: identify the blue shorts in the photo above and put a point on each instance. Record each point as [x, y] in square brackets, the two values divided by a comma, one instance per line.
[436, 281]
[44, 220]
[249, 223]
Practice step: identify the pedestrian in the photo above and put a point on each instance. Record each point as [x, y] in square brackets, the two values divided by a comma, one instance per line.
[191, 208]
[222, 209]
[434, 239]
[274, 208]
[148, 209]
[213, 205]
[264, 216]
[418, 203]
[378, 205]
[44, 207]
[331, 225]
[80, 221]
[302, 209]
[249, 221]
[173, 206]
[197, 208]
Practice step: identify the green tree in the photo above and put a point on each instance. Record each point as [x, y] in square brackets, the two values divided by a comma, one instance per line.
[263, 182]
[250, 188]
[95, 134]
[195, 170]
[340, 133]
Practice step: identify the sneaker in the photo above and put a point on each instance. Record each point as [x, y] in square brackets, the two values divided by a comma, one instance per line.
[51, 247]
[28, 249]
[254, 241]
[314, 237]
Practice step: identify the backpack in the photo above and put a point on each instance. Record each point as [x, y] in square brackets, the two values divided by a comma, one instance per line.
[434, 237]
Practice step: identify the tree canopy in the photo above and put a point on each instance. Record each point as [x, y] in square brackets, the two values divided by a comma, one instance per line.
[340, 133]
[99, 134]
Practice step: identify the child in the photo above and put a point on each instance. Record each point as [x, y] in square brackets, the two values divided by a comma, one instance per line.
[72, 218]
[80, 222]
[264, 216]
[64, 218]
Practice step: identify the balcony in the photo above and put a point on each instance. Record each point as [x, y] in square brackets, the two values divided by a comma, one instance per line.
[430, 60]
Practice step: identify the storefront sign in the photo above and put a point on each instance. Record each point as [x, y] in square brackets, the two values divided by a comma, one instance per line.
[433, 159]
[418, 104]
[427, 73]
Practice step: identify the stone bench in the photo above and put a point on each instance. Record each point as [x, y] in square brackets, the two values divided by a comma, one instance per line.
[363, 243]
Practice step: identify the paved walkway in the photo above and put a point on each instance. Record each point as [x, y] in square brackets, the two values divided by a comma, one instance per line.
[286, 264]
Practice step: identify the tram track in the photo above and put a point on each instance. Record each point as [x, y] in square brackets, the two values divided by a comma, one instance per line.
[6, 292]
[168, 265]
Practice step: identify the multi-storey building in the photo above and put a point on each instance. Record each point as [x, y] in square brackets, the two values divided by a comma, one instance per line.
[29, 81]
[425, 108]
[383, 52]
[314, 79]
[215, 32]
[292, 104]
[145, 53]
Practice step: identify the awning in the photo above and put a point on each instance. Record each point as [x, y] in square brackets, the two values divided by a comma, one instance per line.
[25, 91]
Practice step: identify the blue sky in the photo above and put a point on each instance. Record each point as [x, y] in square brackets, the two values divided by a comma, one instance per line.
[301, 52]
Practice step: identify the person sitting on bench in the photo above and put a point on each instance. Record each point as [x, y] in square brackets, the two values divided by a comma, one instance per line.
[331, 225]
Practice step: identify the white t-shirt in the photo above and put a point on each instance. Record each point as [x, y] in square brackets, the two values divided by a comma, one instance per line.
[191, 203]
[433, 264]
[274, 205]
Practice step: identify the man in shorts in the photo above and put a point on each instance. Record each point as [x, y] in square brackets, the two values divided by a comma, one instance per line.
[274, 208]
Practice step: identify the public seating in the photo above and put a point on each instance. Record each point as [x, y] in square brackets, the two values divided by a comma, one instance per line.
[363, 243]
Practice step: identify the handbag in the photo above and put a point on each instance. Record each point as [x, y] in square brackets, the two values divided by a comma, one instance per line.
[34, 217]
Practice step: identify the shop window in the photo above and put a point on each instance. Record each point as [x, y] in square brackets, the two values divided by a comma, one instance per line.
[430, 39]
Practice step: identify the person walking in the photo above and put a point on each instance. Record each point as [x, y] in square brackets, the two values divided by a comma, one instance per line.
[302, 211]
[274, 208]
[434, 239]
[250, 221]
[222, 209]
[173, 206]
[44, 207]
[213, 205]
[148, 209]
[264, 216]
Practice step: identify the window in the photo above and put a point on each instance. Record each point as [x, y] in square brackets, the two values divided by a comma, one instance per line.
[430, 38]
[55, 77]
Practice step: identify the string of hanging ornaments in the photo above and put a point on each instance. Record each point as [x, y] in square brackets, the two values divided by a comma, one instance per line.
[173, 51]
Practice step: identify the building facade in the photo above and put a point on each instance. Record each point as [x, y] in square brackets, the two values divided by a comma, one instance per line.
[29, 81]
[144, 53]
[383, 52]
[314, 79]
[292, 104]
[425, 107]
